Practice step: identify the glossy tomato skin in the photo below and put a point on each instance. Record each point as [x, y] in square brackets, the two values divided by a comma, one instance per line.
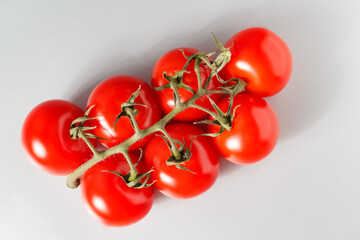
[172, 62]
[177, 183]
[46, 138]
[109, 199]
[254, 131]
[261, 58]
[108, 97]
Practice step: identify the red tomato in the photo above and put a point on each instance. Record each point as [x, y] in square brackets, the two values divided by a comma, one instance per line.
[46, 138]
[108, 97]
[177, 183]
[260, 57]
[109, 199]
[172, 62]
[254, 131]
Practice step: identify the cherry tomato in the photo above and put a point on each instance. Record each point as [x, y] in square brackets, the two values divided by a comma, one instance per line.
[177, 183]
[261, 58]
[254, 131]
[46, 138]
[172, 62]
[108, 97]
[108, 198]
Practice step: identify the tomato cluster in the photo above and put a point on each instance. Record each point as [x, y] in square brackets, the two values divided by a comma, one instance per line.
[128, 118]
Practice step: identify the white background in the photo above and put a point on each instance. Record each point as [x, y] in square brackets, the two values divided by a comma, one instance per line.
[308, 188]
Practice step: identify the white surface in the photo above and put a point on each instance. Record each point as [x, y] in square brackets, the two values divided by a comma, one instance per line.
[308, 188]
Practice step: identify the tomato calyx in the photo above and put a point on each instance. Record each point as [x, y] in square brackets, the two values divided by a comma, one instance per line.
[175, 82]
[77, 126]
[78, 130]
[128, 110]
[135, 180]
[225, 119]
[221, 60]
[179, 157]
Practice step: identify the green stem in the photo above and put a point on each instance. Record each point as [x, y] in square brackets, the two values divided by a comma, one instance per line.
[174, 149]
[217, 91]
[73, 180]
[130, 112]
[197, 71]
[88, 143]
[212, 114]
[133, 171]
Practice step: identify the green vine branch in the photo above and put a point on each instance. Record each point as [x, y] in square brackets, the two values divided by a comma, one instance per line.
[181, 154]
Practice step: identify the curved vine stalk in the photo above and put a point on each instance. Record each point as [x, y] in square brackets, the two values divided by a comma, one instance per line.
[73, 180]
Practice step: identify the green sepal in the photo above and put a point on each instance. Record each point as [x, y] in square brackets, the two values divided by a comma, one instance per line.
[181, 167]
[209, 122]
[184, 151]
[162, 87]
[81, 120]
[141, 153]
[215, 106]
[135, 183]
[89, 135]
[165, 139]
[222, 129]
[76, 129]
[129, 104]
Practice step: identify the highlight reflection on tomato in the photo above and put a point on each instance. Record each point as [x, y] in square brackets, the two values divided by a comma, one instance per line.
[46, 138]
[254, 131]
[261, 58]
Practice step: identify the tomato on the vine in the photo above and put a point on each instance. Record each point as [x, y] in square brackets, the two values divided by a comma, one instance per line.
[46, 138]
[108, 198]
[261, 58]
[179, 183]
[172, 62]
[254, 131]
[108, 98]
